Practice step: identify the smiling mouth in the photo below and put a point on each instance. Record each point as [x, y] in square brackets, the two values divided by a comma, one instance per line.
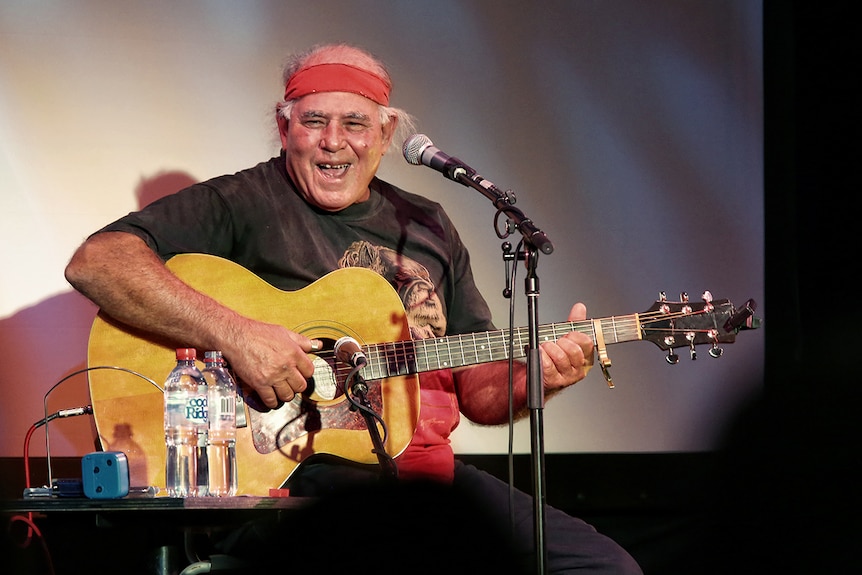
[333, 170]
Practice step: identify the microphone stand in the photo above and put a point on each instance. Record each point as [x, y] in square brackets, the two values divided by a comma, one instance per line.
[535, 240]
[359, 389]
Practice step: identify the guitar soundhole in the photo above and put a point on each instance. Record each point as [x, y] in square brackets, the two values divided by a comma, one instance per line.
[327, 383]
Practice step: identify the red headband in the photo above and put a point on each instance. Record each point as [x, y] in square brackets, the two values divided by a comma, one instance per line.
[337, 78]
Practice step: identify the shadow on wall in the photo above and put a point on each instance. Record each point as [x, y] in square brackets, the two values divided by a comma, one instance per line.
[46, 344]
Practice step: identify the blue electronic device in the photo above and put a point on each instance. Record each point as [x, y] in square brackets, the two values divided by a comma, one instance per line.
[105, 475]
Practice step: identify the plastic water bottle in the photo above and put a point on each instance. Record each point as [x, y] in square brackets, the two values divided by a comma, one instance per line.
[185, 423]
[221, 439]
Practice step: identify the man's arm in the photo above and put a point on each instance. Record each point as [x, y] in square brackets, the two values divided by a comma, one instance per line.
[483, 395]
[122, 275]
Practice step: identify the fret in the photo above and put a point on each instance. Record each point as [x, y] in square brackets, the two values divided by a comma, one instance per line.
[561, 329]
[457, 359]
[585, 327]
[438, 359]
[422, 363]
[468, 349]
[589, 329]
[429, 348]
[409, 355]
[488, 346]
[375, 363]
[475, 348]
[499, 346]
[448, 362]
[518, 344]
[400, 358]
[607, 330]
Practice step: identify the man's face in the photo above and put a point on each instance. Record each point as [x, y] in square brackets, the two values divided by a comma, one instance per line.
[334, 143]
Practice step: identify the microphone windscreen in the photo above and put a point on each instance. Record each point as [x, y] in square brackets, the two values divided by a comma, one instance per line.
[413, 147]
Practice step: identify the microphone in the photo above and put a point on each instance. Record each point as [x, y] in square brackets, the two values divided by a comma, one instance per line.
[347, 350]
[419, 149]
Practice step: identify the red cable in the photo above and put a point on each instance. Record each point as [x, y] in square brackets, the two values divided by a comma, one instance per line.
[28, 519]
[27, 454]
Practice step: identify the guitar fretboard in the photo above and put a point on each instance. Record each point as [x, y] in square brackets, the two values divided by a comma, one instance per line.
[409, 357]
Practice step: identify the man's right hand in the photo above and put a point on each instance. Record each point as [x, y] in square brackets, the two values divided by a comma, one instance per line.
[272, 360]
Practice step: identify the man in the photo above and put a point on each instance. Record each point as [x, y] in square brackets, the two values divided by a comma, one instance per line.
[315, 208]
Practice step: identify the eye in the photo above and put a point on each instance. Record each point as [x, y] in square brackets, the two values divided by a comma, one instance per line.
[355, 125]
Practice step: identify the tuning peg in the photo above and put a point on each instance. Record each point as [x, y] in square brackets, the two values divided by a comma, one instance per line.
[690, 337]
[683, 298]
[707, 301]
[671, 358]
[715, 351]
[663, 307]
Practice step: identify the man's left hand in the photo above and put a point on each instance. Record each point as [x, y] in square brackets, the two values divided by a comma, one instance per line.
[567, 360]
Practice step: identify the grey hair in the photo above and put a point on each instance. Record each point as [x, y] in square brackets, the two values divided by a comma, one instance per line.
[347, 54]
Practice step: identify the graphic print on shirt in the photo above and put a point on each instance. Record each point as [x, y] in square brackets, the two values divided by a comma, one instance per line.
[409, 278]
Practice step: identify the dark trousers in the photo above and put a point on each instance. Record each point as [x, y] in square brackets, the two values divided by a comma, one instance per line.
[464, 527]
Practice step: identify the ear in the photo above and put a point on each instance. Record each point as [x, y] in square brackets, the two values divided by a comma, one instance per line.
[389, 131]
[282, 128]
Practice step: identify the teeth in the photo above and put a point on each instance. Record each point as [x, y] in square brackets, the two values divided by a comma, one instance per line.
[333, 166]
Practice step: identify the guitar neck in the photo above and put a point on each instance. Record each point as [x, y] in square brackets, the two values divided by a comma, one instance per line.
[417, 356]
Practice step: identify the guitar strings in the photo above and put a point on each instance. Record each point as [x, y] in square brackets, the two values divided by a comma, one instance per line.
[410, 356]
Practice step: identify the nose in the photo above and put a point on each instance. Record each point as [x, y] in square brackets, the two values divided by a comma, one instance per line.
[332, 138]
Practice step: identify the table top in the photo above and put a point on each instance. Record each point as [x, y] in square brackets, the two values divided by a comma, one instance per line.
[83, 504]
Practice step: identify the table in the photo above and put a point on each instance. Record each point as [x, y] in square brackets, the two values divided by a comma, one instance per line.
[131, 535]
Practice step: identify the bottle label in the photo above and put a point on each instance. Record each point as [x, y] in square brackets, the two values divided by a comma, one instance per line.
[196, 409]
[185, 409]
[224, 408]
[222, 412]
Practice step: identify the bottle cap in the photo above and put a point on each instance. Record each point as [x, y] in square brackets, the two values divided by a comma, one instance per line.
[212, 355]
[186, 353]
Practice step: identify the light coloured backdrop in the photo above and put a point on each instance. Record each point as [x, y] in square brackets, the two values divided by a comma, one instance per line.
[631, 132]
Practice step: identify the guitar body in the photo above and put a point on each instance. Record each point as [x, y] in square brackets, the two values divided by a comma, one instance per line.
[128, 410]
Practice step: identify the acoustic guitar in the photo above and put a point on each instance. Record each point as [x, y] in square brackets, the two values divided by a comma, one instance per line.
[128, 410]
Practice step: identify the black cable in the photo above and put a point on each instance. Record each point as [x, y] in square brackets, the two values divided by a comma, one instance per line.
[348, 392]
[511, 447]
[47, 418]
[369, 413]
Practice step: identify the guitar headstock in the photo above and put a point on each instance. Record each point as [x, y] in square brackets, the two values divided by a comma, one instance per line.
[685, 323]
